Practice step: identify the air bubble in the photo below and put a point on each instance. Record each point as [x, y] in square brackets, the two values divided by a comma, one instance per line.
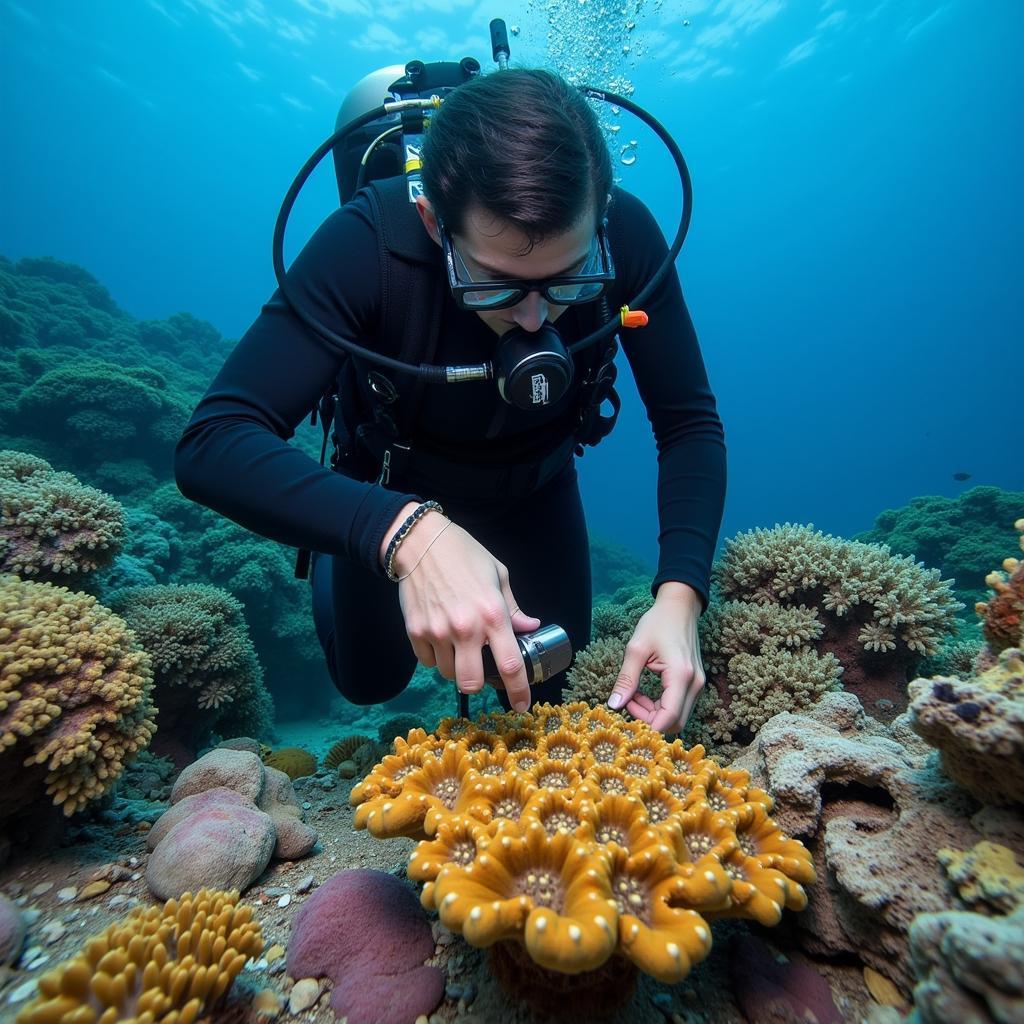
[514, 30]
[627, 155]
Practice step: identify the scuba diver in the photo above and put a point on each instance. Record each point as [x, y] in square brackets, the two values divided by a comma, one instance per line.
[451, 325]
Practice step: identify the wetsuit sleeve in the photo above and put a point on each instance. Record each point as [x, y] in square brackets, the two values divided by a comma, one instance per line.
[234, 455]
[667, 364]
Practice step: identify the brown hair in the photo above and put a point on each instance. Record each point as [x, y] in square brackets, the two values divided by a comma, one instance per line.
[522, 144]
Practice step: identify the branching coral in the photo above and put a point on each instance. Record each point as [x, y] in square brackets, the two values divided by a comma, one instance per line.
[1003, 613]
[203, 659]
[52, 527]
[556, 859]
[595, 669]
[172, 963]
[74, 696]
[796, 609]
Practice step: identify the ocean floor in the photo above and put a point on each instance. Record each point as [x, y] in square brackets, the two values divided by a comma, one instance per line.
[109, 848]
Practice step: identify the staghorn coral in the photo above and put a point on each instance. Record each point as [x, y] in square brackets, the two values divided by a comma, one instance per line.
[54, 528]
[551, 858]
[796, 609]
[1002, 614]
[293, 761]
[172, 964]
[978, 727]
[74, 696]
[203, 661]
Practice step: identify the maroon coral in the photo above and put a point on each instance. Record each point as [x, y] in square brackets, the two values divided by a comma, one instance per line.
[367, 932]
[52, 527]
[1002, 615]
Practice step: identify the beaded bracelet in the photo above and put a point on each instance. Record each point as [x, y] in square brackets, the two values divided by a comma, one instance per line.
[402, 532]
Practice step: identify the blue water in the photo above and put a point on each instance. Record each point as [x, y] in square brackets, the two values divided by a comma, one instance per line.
[853, 267]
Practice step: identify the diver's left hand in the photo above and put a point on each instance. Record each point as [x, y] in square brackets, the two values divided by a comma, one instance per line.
[665, 641]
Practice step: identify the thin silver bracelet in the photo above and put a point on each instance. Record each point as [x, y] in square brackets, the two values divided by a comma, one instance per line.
[425, 550]
[403, 531]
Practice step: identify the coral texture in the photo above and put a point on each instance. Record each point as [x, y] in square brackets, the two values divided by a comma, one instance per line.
[978, 726]
[52, 527]
[801, 608]
[581, 836]
[172, 963]
[971, 968]
[74, 696]
[206, 674]
[344, 750]
[1003, 613]
[987, 877]
[871, 804]
[365, 931]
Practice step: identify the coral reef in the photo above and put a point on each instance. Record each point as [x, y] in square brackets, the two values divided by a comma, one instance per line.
[613, 566]
[52, 527]
[293, 761]
[798, 608]
[345, 750]
[365, 931]
[206, 674]
[962, 537]
[74, 696]
[170, 963]
[971, 968]
[869, 801]
[579, 836]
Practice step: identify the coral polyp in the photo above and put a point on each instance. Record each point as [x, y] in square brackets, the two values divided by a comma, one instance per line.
[596, 839]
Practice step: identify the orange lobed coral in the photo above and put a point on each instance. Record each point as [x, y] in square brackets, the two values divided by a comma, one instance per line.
[579, 836]
[169, 963]
[1003, 613]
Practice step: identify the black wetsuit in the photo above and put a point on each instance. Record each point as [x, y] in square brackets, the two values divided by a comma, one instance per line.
[233, 455]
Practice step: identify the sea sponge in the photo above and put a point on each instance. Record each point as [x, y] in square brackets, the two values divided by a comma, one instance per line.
[293, 761]
[795, 609]
[978, 726]
[170, 963]
[54, 528]
[555, 859]
[1003, 613]
[74, 696]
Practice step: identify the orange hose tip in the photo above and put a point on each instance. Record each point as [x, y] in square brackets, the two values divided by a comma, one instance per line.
[633, 317]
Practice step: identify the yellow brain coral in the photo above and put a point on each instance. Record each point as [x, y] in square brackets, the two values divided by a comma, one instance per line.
[596, 838]
[74, 695]
[167, 964]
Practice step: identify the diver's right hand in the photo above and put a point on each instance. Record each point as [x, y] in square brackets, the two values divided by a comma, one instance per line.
[458, 599]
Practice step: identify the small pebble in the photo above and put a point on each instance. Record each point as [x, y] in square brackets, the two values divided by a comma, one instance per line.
[306, 884]
[52, 931]
[468, 992]
[453, 990]
[67, 894]
[119, 901]
[303, 995]
[306, 805]
[133, 861]
[94, 889]
[38, 890]
[284, 900]
[277, 967]
[29, 955]
[274, 890]
[266, 1003]
[136, 876]
[23, 991]
[32, 915]
[663, 1001]
[275, 952]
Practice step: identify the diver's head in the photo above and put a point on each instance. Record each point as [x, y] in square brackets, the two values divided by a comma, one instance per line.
[516, 169]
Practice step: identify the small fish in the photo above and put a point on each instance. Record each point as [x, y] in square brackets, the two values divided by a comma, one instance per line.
[961, 476]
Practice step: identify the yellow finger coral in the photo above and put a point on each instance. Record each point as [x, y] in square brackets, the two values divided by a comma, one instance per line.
[599, 839]
[170, 964]
[74, 696]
